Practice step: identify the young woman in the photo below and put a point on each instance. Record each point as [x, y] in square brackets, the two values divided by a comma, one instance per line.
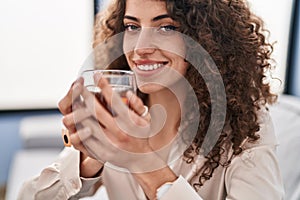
[239, 164]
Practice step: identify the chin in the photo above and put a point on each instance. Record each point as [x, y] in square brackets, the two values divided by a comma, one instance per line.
[151, 88]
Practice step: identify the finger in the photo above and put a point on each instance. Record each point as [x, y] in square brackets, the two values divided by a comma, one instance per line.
[135, 103]
[96, 108]
[100, 136]
[138, 120]
[65, 104]
[138, 106]
[77, 143]
[113, 99]
[92, 127]
[72, 120]
[106, 89]
[92, 144]
[120, 110]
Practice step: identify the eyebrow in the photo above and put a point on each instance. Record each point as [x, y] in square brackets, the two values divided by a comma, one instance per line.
[159, 17]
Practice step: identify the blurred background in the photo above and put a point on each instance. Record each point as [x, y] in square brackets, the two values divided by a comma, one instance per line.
[43, 44]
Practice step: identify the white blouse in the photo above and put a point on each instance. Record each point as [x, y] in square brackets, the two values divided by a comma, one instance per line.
[252, 175]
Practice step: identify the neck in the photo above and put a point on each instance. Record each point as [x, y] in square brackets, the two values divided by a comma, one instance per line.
[170, 103]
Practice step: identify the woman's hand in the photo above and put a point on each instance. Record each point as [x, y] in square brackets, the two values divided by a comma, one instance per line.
[122, 139]
[98, 134]
[89, 167]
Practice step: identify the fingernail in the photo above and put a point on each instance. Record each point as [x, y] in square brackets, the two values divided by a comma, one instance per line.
[76, 86]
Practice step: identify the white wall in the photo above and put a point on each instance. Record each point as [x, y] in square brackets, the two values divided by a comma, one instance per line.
[277, 15]
[42, 45]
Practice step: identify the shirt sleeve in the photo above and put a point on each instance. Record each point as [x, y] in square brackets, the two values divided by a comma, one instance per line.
[254, 174]
[181, 189]
[60, 180]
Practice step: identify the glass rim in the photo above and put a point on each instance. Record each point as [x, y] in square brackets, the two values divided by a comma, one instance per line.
[121, 71]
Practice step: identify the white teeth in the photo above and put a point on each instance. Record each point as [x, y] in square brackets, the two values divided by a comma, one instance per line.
[149, 67]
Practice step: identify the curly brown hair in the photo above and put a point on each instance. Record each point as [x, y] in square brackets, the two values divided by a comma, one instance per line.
[236, 40]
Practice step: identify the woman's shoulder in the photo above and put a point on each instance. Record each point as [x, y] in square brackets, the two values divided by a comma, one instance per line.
[266, 133]
[259, 152]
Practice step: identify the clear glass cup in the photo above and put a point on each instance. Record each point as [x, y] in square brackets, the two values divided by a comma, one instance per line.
[121, 81]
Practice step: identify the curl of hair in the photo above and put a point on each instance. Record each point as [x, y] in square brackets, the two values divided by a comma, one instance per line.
[236, 40]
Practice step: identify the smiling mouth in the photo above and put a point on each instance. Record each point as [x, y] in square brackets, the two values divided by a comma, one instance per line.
[150, 67]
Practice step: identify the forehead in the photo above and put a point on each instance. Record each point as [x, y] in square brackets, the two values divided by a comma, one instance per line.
[145, 7]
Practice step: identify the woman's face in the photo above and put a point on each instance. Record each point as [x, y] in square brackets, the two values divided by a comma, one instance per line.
[152, 46]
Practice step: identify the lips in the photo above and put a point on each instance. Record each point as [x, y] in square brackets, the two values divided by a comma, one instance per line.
[148, 67]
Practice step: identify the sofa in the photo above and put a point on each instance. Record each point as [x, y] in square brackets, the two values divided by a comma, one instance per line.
[286, 119]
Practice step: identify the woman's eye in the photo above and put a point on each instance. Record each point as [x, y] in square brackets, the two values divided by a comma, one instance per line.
[131, 28]
[167, 28]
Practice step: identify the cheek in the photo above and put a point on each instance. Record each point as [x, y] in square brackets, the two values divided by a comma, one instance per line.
[184, 67]
[127, 56]
[128, 48]
[129, 42]
[179, 64]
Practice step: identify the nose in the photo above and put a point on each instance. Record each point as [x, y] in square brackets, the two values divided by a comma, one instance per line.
[145, 42]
